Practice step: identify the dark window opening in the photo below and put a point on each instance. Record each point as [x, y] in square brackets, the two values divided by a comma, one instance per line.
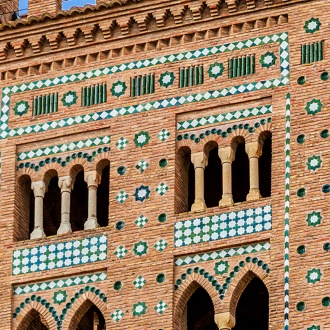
[265, 167]
[79, 202]
[252, 310]
[191, 186]
[200, 311]
[32, 321]
[92, 319]
[52, 207]
[240, 172]
[213, 179]
[103, 198]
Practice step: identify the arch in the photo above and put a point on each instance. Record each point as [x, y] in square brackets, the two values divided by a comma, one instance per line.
[81, 305]
[265, 163]
[33, 321]
[24, 208]
[23, 316]
[103, 189]
[212, 175]
[185, 181]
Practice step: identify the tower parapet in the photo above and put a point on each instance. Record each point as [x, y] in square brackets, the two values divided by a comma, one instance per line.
[8, 10]
[40, 7]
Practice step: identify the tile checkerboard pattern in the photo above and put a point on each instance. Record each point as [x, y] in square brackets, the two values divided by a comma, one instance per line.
[283, 79]
[139, 282]
[222, 226]
[220, 254]
[61, 283]
[53, 150]
[60, 255]
[117, 315]
[220, 118]
[161, 307]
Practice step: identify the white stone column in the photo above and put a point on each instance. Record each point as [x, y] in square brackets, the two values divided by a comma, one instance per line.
[199, 160]
[254, 151]
[93, 179]
[65, 184]
[39, 190]
[224, 321]
[227, 156]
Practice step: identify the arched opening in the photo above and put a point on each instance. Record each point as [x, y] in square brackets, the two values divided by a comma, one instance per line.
[52, 204]
[252, 311]
[265, 164]
[88, 317]
[32, 321]
[200, 311]
[185, 181]
[240, 171]
[24, 209]
[212, 175]
[79, 199]
[103, 193]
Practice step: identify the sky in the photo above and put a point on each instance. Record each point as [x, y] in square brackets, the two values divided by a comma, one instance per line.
[67, 4]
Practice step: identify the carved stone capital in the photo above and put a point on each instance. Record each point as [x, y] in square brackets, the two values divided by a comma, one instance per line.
[65, 183]
[226, 154]
[39, 189]
[253, 149]
[224, 321]
[93, 178]
[199, 159]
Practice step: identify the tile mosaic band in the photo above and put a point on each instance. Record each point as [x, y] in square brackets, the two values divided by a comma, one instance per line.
[60, 255]
[222, 226]
[220, 254]
[282, 38]
[61, 283]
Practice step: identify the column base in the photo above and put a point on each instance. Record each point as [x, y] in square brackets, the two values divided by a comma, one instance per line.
[64, 229]
[226, 201]
[253, 195]
[91, 223]
[198, 206]
[38, 233]
[224, 321]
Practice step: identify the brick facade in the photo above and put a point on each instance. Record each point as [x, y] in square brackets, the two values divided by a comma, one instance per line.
[148, 86]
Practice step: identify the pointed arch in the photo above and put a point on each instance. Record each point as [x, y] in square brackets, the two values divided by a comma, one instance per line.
[80, 307]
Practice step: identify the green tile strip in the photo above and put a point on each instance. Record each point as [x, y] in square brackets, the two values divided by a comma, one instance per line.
[60, 148]
[287, 212]
[223, 117]
[220, 254]
[61, 283]
[284, 79]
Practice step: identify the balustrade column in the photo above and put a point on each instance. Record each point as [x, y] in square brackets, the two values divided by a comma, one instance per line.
[65, 184]
[254, 151]
[39, 190]
[224, 321]
[93, 179]
[227, 156]
[199, 160]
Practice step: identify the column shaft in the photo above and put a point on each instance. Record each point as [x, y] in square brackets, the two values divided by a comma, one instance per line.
[254, 151]
[65, 184]
[93, 179]
[227, 156]
[39, 190]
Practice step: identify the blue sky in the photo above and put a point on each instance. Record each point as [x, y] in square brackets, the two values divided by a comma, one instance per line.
[67, 4]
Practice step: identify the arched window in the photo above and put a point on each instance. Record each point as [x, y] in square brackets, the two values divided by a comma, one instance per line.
[52, 204]
[88, 317]
[265, 164]
[24, 209]
[200, 311]
[252, 311]
[79, 199]
[212, 175]
[185, 181]
[32, 321]
[103, 167]
[240, 170]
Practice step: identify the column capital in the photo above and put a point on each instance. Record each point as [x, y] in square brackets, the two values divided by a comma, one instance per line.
[226, 154]
[224, 321]
[65, 183]
[93, 178]
[199, 159]
[39, 189]
[253, 149]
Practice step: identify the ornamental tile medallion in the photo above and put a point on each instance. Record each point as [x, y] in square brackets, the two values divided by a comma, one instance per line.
[313, 275]
[312, 25]
[268, 59]
[166, 79]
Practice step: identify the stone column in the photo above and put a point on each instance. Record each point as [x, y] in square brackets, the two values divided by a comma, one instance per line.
[93, 179]
[254, 151]
[227, 156]
[65, 184]
[39, 190]
[199, 160]
[224, 321]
